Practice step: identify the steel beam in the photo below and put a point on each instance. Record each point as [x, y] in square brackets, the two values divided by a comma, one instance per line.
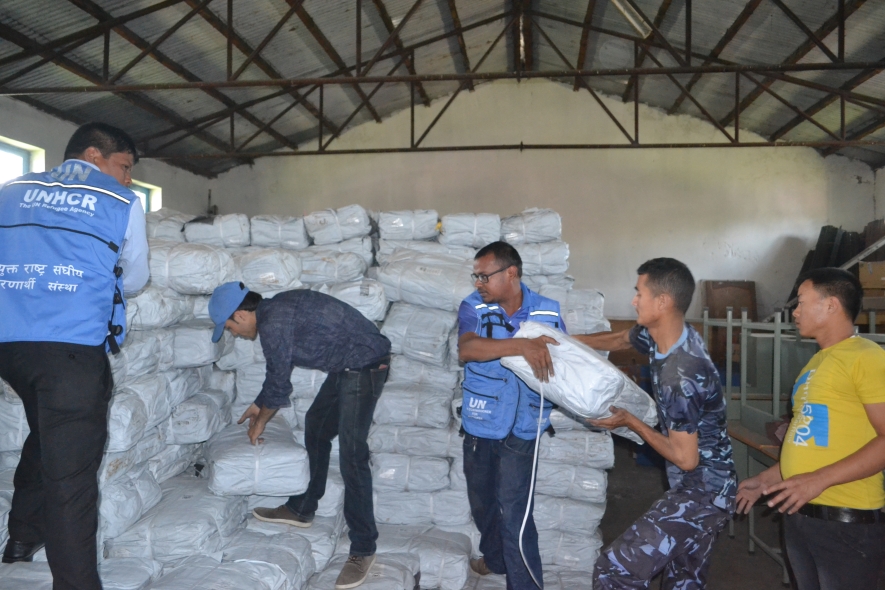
[462, 46]
[585, 37]
[659, 20]
[393, 35]
[856, 136]
[808, 32]
[267, 39]
[409, 60]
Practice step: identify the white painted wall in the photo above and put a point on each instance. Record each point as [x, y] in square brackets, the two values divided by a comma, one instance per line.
[741, 214]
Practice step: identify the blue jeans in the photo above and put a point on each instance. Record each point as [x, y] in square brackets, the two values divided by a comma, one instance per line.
[498, 474]
[344, 407]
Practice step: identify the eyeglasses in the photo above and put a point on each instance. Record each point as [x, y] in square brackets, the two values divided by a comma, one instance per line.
[485, 278]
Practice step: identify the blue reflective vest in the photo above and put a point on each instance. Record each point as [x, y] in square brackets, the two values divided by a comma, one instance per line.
[60, 238]
[496, 402]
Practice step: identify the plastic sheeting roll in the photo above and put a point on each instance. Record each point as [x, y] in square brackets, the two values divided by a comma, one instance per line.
[571, 481]
[166, 224]
[390, 250]
[190, 269]
[566, 514]
[127, 419]
[323, 535]
[416, 441]
[336, 225]
[582, 309]
[444, 556]
[579, 447]
[330, 505]
[448, 507]
[391, 571]
[270, 270]
[128, 573]
[156, 307]
[535, 282]
[206, 572]
[197, 419]
[547, 258]
[430, 280]
[139, 355]
[289, 551]
[172, 460]
[125, 500]
[329, 266]
[365, 295]
[224, 231]
[473, 230]
[192, 345]
[276, 231]
[406, 404]
[420, 333]
[151, 389]
[182, 384]
[392, 472]
[420, 224]
[568, 549]
[13, 422]
[532, 226]
[241, 353]
[403, 369]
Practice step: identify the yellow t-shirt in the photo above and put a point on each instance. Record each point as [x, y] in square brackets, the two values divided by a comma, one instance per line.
[829, 421]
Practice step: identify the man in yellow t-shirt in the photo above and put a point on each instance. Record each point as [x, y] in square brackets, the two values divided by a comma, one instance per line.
[829, 480]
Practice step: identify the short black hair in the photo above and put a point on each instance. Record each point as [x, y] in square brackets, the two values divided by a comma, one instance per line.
[107, 139]
[503, 253]
[838, 283]
[668, 275]
[250, 301]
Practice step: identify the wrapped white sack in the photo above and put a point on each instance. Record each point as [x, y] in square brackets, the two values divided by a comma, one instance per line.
[449, 507]
[270, 270]
[456, 474]
[568, 549]
[330, 505]
[430, 280]
[277, 231]
[403, 369]
[156, 307]
[547, 258]
[585, 384]
[336, 225]
[127, 421]
[329, 266]
[420, 333]
[289, 551]
[182, 384]
[444, 556]
[200, 572]
[166, 224]
[362, 247]
[535, 282]
[128, 573]
[225, 381]
[192, 345]
[224, 231]
[190, 269]
[33, 576]
[139, 355]
[172, 460]
[565, 514]
[416, 441]
[9, 459]
[473, 230]
[276, 467]
[571, 481]
[196, 419]
[407, 404]
[13, 422]
[391, 250]
[532, 225]
[323, 534]
[242, 353]
[365, 295]
[563, 578]
[579, 447]
[420, 224]
[201, 306]
[392, 472]
[125, 500]
[306, 383]
[582, 309]
[391, 571]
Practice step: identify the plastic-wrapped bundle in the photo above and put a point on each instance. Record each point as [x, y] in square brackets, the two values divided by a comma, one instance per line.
[444, 556]
[568, 549]
[581, 308]
[407, 404]
[190, 269]
[289, 551]
[336, 225]
[171, 461]
[270, 270]
[278, 467]
[359, 246]
[249, 381]
[201, 306]
[13, 422]
[222, 381]
[306, 383]
[139, 355]
[128, 573]
[456, 474]
[532, 225]
[391, 571]
[241, 354]
[562, 420]
[571, 481]
[420, 333]
[224, 231]
[156, 307]
[195, 420]
[420, 224]
[126, 500]
[201, 571]
[474, 230]
[9, 459]
[5, 507]
[448, 507]
[535, 282]
[188, 520]
[302, 405]
[33, 576]
[276, 231]
[547, 258]
[127, 420]
[390, 250]
[181, 384]
[416, 441]
[330, 505]
[579, 447]
[586, 384]
[403, 369]
[116, 465]
[565, 514]
[401, 473]
[323, 534]
[165, 337]
[329, 266]
[428, 280]
[166, 224]
[192, 345]
[365, 295]
[562, 578]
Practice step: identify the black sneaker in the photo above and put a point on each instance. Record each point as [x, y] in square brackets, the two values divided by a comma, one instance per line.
[283, 515]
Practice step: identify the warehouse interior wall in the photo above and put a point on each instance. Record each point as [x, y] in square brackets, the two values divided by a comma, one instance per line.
[880, 193]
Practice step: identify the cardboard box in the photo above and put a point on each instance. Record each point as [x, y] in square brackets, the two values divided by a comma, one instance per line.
[874, 292]
[872, 275]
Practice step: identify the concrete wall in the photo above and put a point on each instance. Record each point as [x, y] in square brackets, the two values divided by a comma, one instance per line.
[741, 214]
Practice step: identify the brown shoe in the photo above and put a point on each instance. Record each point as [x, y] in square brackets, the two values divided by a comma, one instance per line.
[283, 515]
[354, 572]
[479, 566]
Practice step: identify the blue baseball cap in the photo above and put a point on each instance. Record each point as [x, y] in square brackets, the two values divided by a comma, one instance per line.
[224, 302]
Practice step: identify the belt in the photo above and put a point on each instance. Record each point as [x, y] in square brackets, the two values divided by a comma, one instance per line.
[838, 514]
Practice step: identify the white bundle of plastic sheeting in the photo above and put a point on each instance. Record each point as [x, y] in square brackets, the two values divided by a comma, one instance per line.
[420, 224]
[200, 572]
[190, 269]
[196, 419]
[362, 247]
[127, 420]
[456, 474]
[416, 441]
[571, 481]
[408, 404]
[201, 306]
[192, 345]
[9, 459]
[420, 333]
[448, 507]
[329, 266]
[402, 473]
[336, 225]
[430, 280]
[139, 355]
[270, 270]
[182, 384]
[569, 549]
[391, 571]
[306, 383]
[116, 465]
[128, 573]
[302, 405]
[391, 250]
[166, 224]
[561, 420]
[494, 582]
[565, 514]
[224, 231]
[225, 381]
[13, 422]
[535, 282]
[249, 381]
[33, 576]
[277, 231]
[444, 556]
[125, 500]
[165, 337]
[403, 369]
[156, 307]
[579, 447]
[330, 505]
[151, 390]
[5, 507]
[323, 534]
[365, 295]
[532, 226]
[562, 578]
[586, 384]
[547, 258]
[473, 230]
[172, 460]
[289, 551]
[277, 467]
[582, 309]
[242, 353]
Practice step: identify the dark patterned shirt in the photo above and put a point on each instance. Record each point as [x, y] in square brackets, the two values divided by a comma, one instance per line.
[689, 395]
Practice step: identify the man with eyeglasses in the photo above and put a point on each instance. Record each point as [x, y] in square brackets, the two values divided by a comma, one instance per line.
[500, 413]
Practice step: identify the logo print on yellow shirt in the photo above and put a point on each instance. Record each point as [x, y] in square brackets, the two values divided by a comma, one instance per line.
[814, 419]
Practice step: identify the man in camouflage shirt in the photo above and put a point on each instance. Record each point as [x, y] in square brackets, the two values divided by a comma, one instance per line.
[677, 533]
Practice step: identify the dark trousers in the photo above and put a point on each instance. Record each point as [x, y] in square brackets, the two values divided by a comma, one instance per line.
[65, 389]
[344, 407]
[829, 555]
[499, 474]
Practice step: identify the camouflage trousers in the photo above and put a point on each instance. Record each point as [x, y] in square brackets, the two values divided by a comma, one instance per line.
[675, 535]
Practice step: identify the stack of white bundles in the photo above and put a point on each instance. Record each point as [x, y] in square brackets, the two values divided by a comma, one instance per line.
[579, 447]
[189, 520]
[392, 472]
[532, 225]
[445, 507]
[190, 269]
[473, 230]
[306, 382]
[139, 355]
[330, 505]
[565, 514]
[420, 224]
[359, 246]
[192, 345]
[535, 282]
[562, 578]
[493, 582]
[444, 556]
[336, 225]
[568, 549]
[156, 307]
[13, 422]
[172, 460]
[391, 571]
[277, 231]
[571, 481]
[224, 231]
[33, 576]
[404, 369]
[5, 507]
[582, 309]
[329, 266]
[242, 353]
[390, 250]
[415, 441]
[165, 338]
[289, 551]
[201, 307]
[441, 282]
[456, 474]
[196, 419]
[222, 381]
[127, 420]
[420, 333]
[277, 467]
[323, 534]
[126, 499]
[128, 573]
[365, 295]
[546, 258]
[166, 224]
[270, 270]
[407, 404]
[302, 405]
[201, 571]
[586, 384]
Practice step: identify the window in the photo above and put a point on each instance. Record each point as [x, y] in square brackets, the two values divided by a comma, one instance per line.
[151, 196]
[14, 162]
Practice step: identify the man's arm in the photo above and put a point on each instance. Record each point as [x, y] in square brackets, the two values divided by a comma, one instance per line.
[472, 347]
[610, 341]
[134, 253]
[751, 489]
[679, 448]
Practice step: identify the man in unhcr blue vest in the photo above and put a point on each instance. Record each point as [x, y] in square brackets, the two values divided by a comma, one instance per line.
[72, 242]
[500, 413]
[677, 533]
